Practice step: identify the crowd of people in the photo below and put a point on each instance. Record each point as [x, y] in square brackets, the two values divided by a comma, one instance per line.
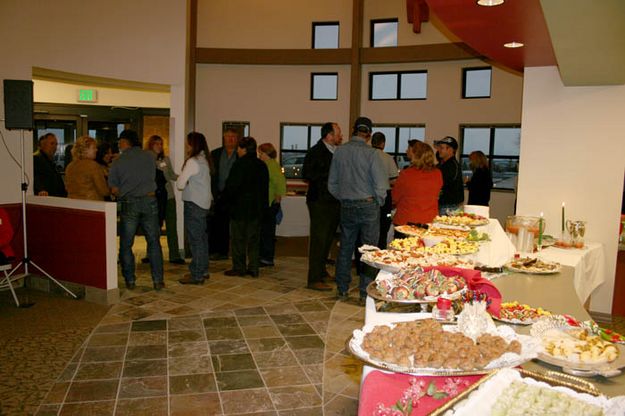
[232, 196]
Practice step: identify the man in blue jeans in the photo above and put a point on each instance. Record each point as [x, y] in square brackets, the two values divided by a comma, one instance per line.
[359, 181]
[132, 181]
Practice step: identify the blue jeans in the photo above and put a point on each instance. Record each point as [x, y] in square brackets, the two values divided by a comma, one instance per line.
[195, 227]
[135, 212]
[357, 217]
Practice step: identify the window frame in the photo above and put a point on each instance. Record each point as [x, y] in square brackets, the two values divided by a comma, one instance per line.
[491, 146]
[397, 127]
[312, 85]
[464, 82]
[309, 140]
[399, 79]
[333, 23]
[372, 24]
[236, 124]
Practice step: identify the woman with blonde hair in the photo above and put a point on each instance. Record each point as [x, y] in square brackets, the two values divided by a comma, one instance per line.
[277, 188]
[84, 178]
[416, 191]
[481, 181]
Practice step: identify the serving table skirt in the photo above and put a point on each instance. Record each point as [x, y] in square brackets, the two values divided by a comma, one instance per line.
[588, 264]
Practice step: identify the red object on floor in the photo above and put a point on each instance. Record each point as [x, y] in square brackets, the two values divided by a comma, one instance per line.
[380, 389]
[476, 282]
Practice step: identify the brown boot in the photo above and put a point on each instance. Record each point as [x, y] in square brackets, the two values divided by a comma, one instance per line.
[324, 287]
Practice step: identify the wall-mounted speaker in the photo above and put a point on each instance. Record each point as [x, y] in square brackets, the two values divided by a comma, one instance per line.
[18, 104]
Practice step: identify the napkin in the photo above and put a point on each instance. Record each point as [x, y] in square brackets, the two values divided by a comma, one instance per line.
[383, 390]
[476, 282]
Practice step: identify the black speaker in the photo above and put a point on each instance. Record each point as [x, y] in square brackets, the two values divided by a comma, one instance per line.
[18, 104]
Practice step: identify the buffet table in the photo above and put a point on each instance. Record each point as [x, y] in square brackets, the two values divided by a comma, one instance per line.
[295, 220]
[588, 264]
[556, 293]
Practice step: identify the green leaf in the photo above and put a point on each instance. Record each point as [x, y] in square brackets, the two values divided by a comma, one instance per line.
[409, 408]
[440, 395]
[431, 388]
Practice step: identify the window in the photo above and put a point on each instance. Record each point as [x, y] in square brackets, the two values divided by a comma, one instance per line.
[325, 35]
[243, 127]
[500, 144]
[397, 137]
[410, 85]
[295, 140]
[476, 82]
[384, 33]
[324, 86]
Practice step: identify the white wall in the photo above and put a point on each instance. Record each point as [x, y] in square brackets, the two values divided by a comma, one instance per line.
[573, 151]
[139, 40]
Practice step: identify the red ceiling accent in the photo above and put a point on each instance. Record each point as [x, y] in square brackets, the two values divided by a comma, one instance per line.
[486, 29]
[418, 11]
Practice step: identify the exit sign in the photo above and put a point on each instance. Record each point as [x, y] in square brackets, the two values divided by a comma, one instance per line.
[87, 96]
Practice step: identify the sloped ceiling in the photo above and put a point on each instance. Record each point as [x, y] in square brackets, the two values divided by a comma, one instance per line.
[584, 38]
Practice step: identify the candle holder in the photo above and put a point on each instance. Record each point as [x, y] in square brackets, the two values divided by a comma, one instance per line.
[576, 230]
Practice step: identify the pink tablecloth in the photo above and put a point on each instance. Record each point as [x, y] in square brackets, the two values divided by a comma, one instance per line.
[381, 391]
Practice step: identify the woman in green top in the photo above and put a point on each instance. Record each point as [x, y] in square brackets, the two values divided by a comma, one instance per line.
[277, 188]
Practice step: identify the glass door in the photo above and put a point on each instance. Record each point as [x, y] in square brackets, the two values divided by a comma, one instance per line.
[65, 128]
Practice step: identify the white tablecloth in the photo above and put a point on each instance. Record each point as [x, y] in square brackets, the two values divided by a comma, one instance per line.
[496, 252]
[589, 265]
[295, 220]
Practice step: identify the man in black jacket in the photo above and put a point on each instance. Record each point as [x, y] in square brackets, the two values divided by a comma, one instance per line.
[324, 210]
[48, 181]
[247, 196]
[452, 193]
[223, 160]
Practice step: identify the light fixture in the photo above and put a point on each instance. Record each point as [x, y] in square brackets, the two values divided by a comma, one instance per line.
[489, 3]
[513, 45]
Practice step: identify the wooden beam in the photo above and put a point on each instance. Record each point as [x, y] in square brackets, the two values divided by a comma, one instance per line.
[273, 56]
[355, 69]
[191, 64]
[418, 53]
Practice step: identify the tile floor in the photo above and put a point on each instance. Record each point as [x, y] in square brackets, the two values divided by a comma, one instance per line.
[232, 346]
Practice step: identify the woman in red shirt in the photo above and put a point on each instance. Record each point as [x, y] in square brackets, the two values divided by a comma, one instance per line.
[415, 193]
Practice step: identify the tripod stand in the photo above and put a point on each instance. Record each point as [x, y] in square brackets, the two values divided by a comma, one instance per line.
[26, 261]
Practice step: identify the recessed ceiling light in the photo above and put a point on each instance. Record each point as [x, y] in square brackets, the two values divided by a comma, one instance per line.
[489, 3]
[513, 45]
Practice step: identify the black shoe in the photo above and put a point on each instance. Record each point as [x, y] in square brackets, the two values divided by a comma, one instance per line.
[178, 261]
[145, 260]
[130, 285]
[265, 264]
[233, 272]
[189, 281]
[251, 273]
[159, 285]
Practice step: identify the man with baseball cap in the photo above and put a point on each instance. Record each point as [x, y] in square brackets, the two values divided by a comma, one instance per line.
[452, 193]
[359, 181]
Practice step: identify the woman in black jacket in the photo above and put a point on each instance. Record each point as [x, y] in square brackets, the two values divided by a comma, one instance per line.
[481, 181]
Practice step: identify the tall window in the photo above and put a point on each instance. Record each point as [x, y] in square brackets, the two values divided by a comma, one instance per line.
[397, 136]
[325, 35]
[500, 144]
[408, 85]
[384, 32]
[324, 86]
[476, 82]
[295, 140]
[243, 127]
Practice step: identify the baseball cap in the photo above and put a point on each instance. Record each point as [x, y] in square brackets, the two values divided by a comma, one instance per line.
[449, 141]
[363, 124]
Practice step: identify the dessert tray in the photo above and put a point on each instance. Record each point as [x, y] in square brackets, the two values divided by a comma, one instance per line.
[445, 246]
[519, 314]
[461, 218]
[576, 350]
[444, 351]
[416, 286]
[520, 392]
[532, 266]
[396, 260]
